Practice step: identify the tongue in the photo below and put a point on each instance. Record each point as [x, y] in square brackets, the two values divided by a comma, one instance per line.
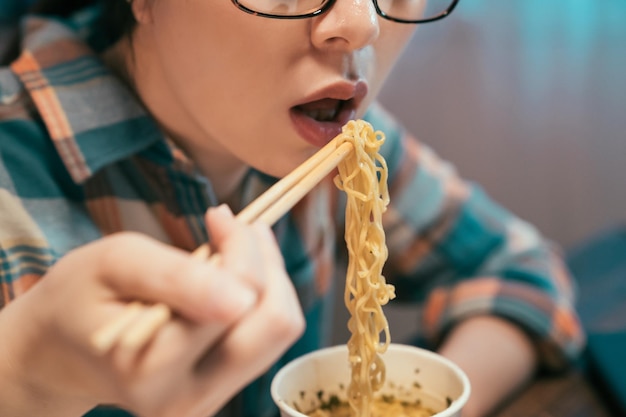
[323, 104]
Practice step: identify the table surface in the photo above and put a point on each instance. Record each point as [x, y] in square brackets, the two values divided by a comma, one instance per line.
[600, 268]
[569, 395]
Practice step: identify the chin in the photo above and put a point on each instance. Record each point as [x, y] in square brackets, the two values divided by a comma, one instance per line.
[284, 163]
[277, 171]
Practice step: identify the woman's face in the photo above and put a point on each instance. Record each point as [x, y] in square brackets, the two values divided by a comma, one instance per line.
[232, 87]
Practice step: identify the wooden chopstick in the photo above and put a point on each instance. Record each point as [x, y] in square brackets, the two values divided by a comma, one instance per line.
[269, 207]
[105, 338]
[309, 173]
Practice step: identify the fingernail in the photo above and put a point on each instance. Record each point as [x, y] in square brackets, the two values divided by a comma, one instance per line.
[223, 209]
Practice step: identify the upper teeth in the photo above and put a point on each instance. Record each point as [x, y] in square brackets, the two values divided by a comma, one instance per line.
[322, 115]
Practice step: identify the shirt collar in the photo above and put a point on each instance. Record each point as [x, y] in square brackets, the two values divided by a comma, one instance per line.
[93, 119]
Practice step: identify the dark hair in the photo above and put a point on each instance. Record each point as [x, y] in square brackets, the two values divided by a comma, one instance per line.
[117, 18]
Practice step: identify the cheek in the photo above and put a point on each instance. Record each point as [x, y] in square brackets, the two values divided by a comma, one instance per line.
[393, 39]
[203, 54]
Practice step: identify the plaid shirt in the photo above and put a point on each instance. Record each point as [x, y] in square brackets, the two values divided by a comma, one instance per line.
[80, 159]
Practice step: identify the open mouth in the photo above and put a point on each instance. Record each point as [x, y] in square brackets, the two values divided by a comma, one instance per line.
[322, 117]
[321, 120]
[324, 110]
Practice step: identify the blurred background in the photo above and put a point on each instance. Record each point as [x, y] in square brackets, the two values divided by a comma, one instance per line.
[528, 99]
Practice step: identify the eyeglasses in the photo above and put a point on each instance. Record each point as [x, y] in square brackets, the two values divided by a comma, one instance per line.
[402, 11]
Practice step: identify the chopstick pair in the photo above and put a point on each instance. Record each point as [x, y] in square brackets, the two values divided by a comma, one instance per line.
[138, 323]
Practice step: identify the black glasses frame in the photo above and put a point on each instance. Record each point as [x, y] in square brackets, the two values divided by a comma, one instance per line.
[330, 3]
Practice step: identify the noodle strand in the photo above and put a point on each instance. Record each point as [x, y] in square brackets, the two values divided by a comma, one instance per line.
[363, 177]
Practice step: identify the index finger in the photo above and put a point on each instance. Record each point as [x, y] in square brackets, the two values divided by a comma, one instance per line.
[139, 268]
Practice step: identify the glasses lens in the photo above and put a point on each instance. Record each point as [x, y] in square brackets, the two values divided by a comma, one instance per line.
[414, 9]
[283, 7]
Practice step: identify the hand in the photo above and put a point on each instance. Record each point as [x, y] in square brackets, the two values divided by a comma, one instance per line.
[233, 320]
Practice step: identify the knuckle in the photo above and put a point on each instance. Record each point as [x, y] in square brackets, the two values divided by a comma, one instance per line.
[118, 245]
[299, 325]
[286, 324]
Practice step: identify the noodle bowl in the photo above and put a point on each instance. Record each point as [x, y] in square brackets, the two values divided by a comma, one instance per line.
[412, 375]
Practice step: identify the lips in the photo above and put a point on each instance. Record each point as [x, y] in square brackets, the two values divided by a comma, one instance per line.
[320, 117]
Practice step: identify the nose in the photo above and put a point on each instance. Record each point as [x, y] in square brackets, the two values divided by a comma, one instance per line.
[348, 25]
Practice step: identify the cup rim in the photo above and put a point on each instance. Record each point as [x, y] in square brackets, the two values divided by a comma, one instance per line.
[455, 407]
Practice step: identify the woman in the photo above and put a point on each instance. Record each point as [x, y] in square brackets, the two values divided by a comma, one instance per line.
[139, 116]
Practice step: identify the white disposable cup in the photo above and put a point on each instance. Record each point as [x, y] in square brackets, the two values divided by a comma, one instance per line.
[412, 373]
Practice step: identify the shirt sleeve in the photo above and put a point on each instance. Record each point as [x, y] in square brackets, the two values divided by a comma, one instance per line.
[24, 252]
[461, 254]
